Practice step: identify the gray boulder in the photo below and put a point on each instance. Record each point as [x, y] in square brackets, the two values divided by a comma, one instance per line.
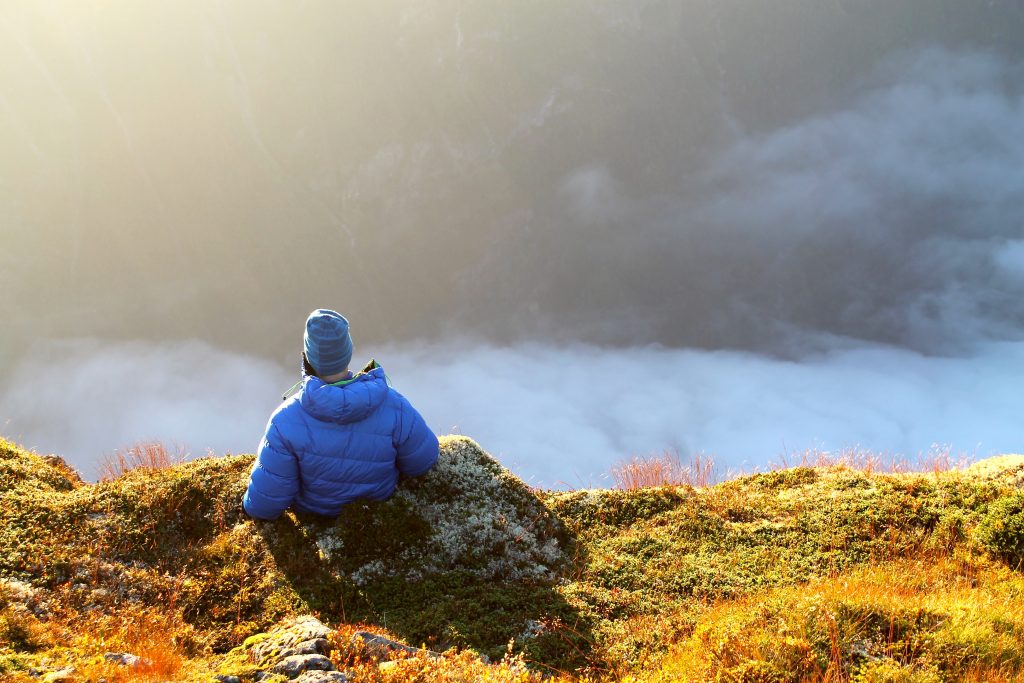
[293, 666]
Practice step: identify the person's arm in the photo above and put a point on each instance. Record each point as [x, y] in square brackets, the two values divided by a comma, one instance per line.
[274, 480]
[416, 445]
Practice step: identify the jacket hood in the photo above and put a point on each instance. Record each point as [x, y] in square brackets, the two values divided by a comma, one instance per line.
[353, 401]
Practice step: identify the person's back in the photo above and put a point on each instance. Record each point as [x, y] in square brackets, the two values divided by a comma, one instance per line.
[340, 438]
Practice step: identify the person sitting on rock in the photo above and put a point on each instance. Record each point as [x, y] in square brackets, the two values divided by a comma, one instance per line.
[340, 438]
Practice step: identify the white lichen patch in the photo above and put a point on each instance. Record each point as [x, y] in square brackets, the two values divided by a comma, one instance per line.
[17, 591]
[328, 542]
[1007, 467]
[482, 519]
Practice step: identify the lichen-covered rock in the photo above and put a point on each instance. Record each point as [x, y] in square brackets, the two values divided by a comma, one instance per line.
[293, 646]
[322, 677]
[302, 636]
[383, 648]
[292, 666]
[468, 514]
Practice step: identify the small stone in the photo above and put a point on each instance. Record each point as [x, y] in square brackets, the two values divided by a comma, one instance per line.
[122, 658]
[297, 664]
[317, 646]
[225, 678]
[65, 674]
[322, 677]
[385, 648]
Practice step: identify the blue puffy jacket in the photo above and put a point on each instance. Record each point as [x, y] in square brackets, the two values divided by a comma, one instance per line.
[329, 445]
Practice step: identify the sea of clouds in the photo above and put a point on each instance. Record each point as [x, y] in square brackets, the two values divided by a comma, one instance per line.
[557, 416]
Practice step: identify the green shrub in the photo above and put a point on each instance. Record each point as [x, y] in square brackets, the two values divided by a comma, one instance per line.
[1001, 532]
[886, 670]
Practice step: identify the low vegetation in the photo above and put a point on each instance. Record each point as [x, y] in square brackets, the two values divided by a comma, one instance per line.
[822, 571]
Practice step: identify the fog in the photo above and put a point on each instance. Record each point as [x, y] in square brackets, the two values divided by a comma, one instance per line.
[560, 417]
[575, 232]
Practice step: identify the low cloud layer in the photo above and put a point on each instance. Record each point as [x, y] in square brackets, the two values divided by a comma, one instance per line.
[557, 416]
[83, 400]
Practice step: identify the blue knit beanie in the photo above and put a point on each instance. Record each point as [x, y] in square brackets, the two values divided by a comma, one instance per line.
[327, 342]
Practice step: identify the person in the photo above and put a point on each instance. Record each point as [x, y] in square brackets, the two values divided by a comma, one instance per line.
[340, 438]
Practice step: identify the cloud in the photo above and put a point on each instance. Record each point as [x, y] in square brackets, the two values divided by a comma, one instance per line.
[892, 219]
[559, 416]
[84, 399]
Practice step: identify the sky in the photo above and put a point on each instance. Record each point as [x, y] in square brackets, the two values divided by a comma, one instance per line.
[578, 234]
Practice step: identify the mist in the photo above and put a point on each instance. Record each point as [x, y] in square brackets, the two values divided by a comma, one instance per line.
[714, 175]
[559, 417]
[576, 233]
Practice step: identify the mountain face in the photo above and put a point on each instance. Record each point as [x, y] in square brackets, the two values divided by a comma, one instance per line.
[602, 171]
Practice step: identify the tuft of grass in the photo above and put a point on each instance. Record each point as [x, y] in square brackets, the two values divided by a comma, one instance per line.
[665, 469]
[157, 636]
[20, 630]
[939, 459]
[150, 456]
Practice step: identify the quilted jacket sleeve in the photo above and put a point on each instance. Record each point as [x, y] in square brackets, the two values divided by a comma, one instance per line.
[416, 444]
[274, 480]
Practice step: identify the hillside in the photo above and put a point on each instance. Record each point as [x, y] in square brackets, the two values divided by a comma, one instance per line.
[826, 573]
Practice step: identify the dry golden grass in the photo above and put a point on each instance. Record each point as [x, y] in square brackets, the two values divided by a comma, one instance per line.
[911, 618]
[151, 455]
[666, 469]
[938, 459]
[81, 641]
[450, 667]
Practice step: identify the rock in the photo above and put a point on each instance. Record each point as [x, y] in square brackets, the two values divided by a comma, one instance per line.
[303, 636]
[317, 646]
[322, 677]
[384, 648]
[224, 678]
[268, 677]
[123, 658]
[468, 514]
[65, 674]
[292, 666]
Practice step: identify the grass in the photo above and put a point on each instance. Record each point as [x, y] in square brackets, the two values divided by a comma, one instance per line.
[837, 568]
[929, 618]
[666, 469]
[142, 455]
